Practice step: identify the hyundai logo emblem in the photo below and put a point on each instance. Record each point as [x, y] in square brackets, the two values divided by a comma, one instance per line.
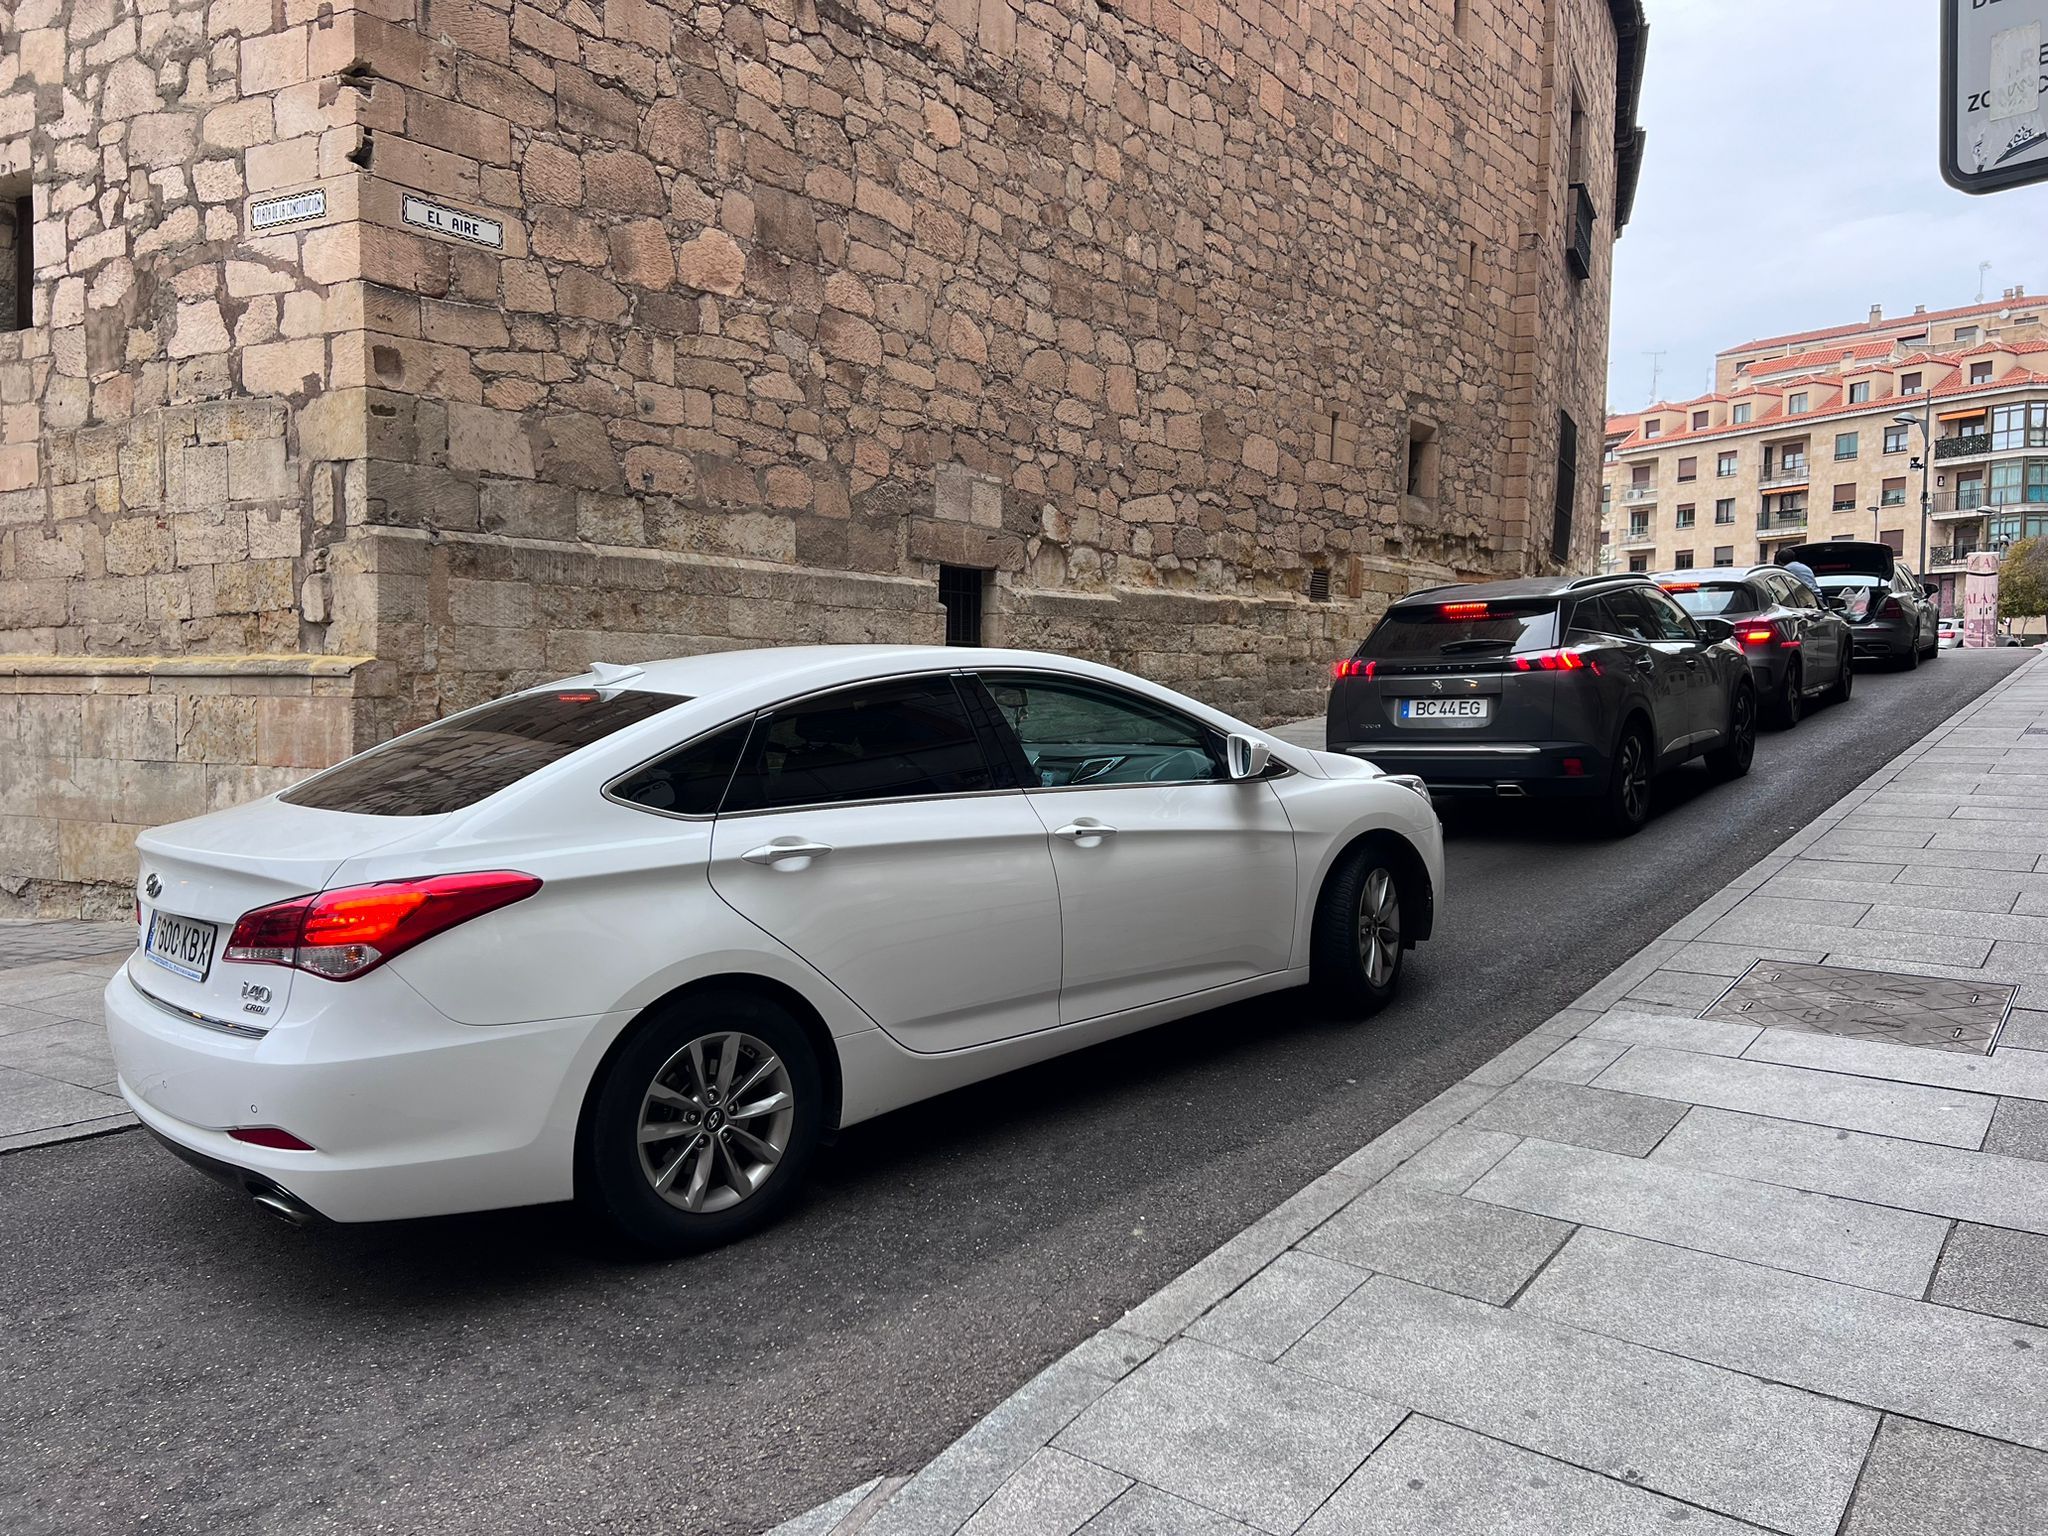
[1437, 683]
[152, 887]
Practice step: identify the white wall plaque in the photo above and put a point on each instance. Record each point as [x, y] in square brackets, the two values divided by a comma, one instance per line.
[443, 220]
[295, 209]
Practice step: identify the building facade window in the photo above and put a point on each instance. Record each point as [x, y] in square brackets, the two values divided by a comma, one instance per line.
[1969, 492]
[1724, 510]
[1845, 445]
[1724, 465]
[1421, 478]
[2019, 426]
[1724, 554]
[17, 263]
[1965, 334]
[1980, 373]
[1685, 514]
[1567, 492]
[1893, 493]
[1740, 414]
[1859, 392]
[1652, 426]
[1895, 539]
[1700, 420]
[1688, 469]
[1682, 561]
[1795, 404]
[1638, 563]
[1845, 497]
[1895, 439]
[1909, 383]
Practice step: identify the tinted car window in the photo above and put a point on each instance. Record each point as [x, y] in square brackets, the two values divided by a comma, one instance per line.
[1081, 733]
[877, 743]
[1632, 615]
[1591, 617]
[692, 780]
[1670, 619]
[1449, 629]
[458, 761]
[1710, 600]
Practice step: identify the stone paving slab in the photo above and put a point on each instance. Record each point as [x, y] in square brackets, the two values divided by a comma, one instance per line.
[1586, 1117]
[2009, 1073]
[1466, 1247]
[1994, 1271]
[1267, 1315]
[1747, 1448]
[1922, 1478]
[1836, 1239]
[1821, 1098]
[1431, 1478]
[1145, 1511]
[1263, 1445]
[1982, 1374]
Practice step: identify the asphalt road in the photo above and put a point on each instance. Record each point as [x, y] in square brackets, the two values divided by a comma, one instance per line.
[170, 1360]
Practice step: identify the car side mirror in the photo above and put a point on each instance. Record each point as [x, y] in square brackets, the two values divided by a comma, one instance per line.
[1716, 629]
[1247, 756]
[1929, 589]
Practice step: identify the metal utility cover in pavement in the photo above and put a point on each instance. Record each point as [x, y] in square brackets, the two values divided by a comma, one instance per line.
[1868, 1005]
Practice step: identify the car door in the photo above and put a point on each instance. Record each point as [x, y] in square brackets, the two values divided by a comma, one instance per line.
[1706, 691]
[1819, 635]
[1173, 877]
[1662, 661]
[870, 830]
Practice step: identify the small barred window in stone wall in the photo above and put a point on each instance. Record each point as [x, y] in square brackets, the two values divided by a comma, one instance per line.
[1567, 487]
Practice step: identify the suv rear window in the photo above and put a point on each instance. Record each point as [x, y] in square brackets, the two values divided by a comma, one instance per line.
[1705, 601]
[458, 761]
[1454, 629]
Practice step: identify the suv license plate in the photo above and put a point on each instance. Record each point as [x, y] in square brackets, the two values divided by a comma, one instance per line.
[1445, 709]
[181, 944]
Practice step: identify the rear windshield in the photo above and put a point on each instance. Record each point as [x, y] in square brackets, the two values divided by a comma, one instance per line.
[1464, 629]
[1710, 602]
[459, 761]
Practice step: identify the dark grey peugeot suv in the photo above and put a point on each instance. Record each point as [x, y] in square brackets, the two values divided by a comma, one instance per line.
[1585, 687]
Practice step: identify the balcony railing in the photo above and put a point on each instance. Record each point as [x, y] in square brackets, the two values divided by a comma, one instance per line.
[1642, 535]
[1968, 503]
[1766, 521]
[1578, 234]
[1785, 474]
[1638, 493]
[1962, 446]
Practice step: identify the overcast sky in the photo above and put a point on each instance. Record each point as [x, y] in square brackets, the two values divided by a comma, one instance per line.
[1792, 181]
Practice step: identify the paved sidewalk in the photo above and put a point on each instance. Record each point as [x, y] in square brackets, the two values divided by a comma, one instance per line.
[56, 1076]
[1646, 1268]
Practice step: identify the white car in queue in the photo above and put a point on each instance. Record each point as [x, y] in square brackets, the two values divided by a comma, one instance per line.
[644, 937]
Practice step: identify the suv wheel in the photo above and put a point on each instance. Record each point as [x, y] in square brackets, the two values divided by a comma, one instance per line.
[703, 1125]
[1732, 758]
[1626, 804]
[1791, 700]
[1845, 680]
[1911, 659]
[1356, 946]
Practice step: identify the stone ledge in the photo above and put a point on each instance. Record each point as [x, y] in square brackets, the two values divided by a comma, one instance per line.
[252, 665]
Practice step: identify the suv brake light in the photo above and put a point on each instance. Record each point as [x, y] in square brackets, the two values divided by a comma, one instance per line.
[1891, 607]
[1351, 667]
[1555, 661]
[1760, 634]
[342, 934]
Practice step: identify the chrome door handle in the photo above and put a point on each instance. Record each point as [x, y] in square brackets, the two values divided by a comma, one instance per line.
[775, 853]
[1075, 831]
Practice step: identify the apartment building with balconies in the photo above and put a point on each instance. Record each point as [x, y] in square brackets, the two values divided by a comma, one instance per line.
[1827, 443]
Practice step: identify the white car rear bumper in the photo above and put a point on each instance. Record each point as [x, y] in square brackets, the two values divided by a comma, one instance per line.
[414, 1115]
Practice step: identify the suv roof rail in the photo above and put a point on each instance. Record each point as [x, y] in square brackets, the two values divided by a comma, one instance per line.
[1593, 581]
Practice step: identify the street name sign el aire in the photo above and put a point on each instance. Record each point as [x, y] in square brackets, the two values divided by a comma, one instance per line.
[1994, 86]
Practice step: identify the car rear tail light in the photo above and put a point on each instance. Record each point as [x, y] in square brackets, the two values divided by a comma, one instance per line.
[1680, 586]
[270, 1136]
[1761, 634]
[1575, 768]
[342, 934]
[1351, 667]
[1891, 608]
[1463, 610]
[1555, 661]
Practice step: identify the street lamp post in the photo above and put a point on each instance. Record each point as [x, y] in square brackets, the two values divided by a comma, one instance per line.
[1924, 422]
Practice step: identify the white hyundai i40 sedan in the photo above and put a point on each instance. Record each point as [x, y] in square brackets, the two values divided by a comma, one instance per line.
[644, 937]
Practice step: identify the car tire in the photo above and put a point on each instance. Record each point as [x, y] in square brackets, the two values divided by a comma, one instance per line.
[1845, 680]
[1732, 760]
[1790, 703]
[1625, 804]
[700, 1049]
[1911, 660]
[1358, 940]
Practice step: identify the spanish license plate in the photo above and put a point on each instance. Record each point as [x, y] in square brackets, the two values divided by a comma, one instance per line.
[1446, 709]
[181, 944]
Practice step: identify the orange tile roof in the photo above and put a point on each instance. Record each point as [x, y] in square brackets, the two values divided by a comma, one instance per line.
[1955, 384]
[1799, 338]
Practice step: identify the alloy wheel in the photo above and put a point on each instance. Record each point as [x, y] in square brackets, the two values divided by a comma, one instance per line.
[1634, 769]
[1379, 927]
[715, 1122]
[1745, 726]
[1791, 705]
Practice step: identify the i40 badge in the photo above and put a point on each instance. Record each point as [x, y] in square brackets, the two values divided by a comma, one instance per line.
[255, 997]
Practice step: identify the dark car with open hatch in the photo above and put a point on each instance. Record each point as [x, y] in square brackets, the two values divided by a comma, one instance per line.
[1584, 687]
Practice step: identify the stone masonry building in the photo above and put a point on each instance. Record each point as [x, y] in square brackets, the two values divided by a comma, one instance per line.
[371, 357]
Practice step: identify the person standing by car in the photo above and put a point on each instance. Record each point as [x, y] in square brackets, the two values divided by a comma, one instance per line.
[1803, 573]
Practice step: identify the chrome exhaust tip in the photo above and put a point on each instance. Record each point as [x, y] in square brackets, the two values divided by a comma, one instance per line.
[1510, 792]
[284, 1205]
